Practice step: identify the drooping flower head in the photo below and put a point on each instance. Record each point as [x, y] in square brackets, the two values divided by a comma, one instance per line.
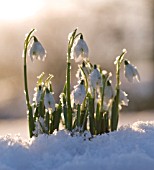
[38, 95]
[95, 78]
[80, 50]
[37, 51]
[78, 94]
[49, 101]
[131, 72]
[83, 71]
[123, 98]
[108, 92]
[86, 67]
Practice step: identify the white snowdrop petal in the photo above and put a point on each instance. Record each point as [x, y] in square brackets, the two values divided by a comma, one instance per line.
[37, 51]
[108, 93]
[123, 98]
[128, 75]
[37, 96]
[49, 101]
[95, 79]
[131, 72]
[78, 58]
[79, 50]
[78, 94]
[136, 74]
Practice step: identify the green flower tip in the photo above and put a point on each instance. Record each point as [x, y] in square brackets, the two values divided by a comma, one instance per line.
[95, 66]
[35, 39]
[126, 62]
[83, 64]
[81, 37]
[82, 82]
[47, 90]
[40, 87]
[109, 83]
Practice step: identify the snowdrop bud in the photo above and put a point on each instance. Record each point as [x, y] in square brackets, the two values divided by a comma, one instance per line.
[123, 98]
[108, 92]
[104, 73]
[95, 78]
[82, 71]
[37, 51]
[78, 94]
[80, 50]
[124, 50]
[86, 69]
[49, 101]
[37, 95]
[131, 72]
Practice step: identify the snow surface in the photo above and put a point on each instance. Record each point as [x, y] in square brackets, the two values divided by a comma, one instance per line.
[129, 148]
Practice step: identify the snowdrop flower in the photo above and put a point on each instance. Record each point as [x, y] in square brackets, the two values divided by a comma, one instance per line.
[86, 69]
[80, 50]
[95, 78]
[49, 101]
[38, 95]
[78, 94]
[108, 92]
[123, 98]
[37, 51]
[131, 72]
[82, 71]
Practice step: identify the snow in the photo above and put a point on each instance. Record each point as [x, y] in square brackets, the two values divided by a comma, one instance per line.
[129, 148]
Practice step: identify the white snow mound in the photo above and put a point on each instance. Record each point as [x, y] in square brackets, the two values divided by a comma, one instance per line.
[129, 148]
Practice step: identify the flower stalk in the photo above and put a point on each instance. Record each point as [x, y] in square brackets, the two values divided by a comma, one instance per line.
[68, 81]
[115, 104]
[68, 78]
[29, 108]
[78, 116]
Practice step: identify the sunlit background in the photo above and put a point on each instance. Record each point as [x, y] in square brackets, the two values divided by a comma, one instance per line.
[108, 27]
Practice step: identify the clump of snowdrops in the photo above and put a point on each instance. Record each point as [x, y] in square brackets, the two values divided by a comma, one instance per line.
[93, 105]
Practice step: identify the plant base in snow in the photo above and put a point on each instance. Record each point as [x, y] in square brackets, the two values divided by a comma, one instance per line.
[94, 104]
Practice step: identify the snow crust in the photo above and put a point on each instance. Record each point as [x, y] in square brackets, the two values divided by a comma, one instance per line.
[129, 148]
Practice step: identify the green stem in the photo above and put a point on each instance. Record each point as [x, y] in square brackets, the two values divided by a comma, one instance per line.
[47, 120]
[57, 116]
[26, 81]
[78, 115]
[69, 114]
[91, 114]
[84, 123]
[98, 119]
[26, 43]
[115, 104]
[29, 108]
[101, 117]
[68, 79]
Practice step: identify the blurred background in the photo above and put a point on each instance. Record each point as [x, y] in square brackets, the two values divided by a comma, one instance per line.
[107, 26]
